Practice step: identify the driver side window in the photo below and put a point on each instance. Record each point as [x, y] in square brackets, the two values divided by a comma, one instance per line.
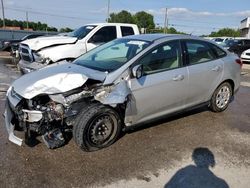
[164, 57]
[103, 35]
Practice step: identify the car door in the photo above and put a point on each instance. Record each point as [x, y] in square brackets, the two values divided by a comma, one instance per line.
[163, 86]
[103, 35]
[205, 70]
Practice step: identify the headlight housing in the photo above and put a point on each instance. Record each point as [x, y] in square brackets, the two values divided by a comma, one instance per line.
[40, 59]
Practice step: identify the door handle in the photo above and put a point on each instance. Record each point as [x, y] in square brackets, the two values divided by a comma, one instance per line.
[178, 78]
[216, 68]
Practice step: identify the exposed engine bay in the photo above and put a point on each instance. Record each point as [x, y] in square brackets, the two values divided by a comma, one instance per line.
[52, 116]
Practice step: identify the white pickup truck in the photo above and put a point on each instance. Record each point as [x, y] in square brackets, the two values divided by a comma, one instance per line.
[40, 52]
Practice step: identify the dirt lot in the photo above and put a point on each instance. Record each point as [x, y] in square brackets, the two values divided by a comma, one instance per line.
[154, 155]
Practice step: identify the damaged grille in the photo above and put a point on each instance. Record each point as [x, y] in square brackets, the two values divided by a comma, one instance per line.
[25, 53]
[14, 94]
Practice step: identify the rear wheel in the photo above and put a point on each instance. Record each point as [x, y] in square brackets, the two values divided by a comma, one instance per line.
[221, 97]
[97, 127]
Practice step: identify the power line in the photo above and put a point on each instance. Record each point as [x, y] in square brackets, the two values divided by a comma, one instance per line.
[48, 14]
[192, 21]
[202, 26]
[191, 26]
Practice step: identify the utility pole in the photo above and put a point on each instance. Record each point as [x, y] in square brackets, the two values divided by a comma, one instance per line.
[166, 21]
[27, 19]
[108, 10]
[3, 14]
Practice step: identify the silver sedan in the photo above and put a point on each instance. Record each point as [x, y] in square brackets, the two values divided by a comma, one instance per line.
[119, 84]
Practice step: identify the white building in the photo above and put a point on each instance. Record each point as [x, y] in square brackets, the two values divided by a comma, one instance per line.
[245, 27]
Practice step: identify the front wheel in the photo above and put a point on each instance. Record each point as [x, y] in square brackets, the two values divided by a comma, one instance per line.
[221, 97]
[96, 127]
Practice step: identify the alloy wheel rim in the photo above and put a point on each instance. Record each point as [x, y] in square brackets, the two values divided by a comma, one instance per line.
[223, 97]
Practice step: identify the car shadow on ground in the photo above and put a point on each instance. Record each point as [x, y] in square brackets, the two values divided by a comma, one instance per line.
[198, 175]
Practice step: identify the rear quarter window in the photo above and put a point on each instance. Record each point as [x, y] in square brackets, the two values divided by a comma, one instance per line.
[218, 51]
[127, 31]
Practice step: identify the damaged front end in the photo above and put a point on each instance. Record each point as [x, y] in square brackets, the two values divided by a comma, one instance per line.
[52, 115]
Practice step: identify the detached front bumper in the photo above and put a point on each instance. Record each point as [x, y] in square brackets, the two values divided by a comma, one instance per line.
[32, 116]
[8, 115]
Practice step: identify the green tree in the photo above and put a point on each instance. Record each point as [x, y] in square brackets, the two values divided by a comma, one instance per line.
[172, 30]
[121, 17]
[65, 30]
[144, 20]
[52, 29]
[226, 32]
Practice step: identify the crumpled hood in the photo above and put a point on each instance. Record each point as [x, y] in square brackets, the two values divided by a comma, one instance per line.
[42, 42]
[55, 79]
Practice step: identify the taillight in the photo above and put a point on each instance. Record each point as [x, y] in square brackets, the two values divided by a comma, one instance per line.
[238, 61]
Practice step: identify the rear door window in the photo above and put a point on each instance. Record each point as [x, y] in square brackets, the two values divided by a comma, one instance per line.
[219, 52]
[199, 52]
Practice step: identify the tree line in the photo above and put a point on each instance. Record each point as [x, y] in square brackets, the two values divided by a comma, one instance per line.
[36, 26]
[226, 32]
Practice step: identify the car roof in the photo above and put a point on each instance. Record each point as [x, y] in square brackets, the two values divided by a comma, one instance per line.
[111, 24]
[155, 37]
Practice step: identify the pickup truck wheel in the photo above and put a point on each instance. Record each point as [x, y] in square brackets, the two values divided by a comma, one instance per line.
[221, 97]
[97, 127]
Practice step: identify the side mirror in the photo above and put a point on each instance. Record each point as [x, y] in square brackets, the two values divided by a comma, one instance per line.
[137, 71]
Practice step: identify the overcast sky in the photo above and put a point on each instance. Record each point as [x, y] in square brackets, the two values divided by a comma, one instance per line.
[191, 16]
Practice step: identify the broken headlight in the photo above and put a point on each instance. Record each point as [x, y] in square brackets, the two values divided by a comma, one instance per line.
[40, 59]
[102, 91]
[51, 109]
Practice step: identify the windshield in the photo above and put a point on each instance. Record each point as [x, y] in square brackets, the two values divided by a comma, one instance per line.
[82, 31]
[112, 55]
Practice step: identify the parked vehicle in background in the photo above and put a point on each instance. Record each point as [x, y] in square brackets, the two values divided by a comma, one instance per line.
[221, 40]
[217, 40]
[7, 44]
[245, 56]
[122, 83]
[14, 44]
[38, 53]
[237, 46]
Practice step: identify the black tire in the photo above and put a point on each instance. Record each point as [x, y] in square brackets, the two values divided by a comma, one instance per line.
[96, 127]
[215, 104]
